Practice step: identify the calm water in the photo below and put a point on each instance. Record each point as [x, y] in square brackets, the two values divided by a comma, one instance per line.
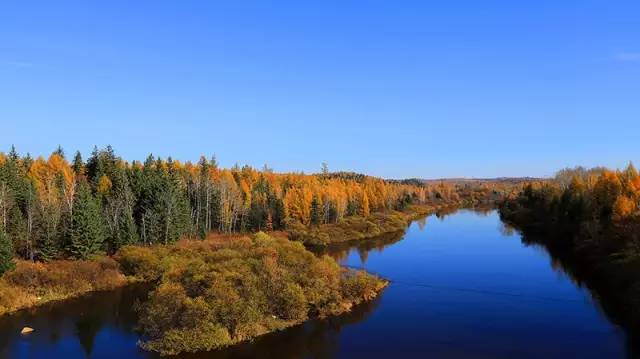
[462, 286]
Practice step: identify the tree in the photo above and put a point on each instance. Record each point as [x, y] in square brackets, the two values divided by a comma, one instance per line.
[6, 254]
[365, 209]
[623, 207]
[316, 211]
[86, 234]
[118, 203]
[325, 168]
[78, 165]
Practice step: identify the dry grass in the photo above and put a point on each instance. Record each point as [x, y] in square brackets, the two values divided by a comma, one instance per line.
[32, 284]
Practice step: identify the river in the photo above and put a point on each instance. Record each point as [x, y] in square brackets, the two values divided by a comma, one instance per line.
[462, 286]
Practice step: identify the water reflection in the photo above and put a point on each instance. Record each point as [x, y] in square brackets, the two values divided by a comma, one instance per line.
[340, 251]
[604, 298]
[96, 325]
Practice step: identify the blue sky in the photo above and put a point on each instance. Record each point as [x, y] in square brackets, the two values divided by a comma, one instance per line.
[389, 88]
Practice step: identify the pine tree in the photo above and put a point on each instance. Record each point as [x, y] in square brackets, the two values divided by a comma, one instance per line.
[316, 211]
[6, 254]
[59, 151]
[86, 234]
[78, 165]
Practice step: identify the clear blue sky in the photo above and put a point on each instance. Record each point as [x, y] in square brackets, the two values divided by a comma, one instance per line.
[389, 88]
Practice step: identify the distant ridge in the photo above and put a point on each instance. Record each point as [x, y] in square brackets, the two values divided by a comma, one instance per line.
[462, 180]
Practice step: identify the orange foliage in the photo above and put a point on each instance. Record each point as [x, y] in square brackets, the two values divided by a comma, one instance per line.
[623, 207]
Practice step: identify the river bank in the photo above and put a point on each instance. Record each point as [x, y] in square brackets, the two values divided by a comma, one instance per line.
[353, 229]
[33, 284]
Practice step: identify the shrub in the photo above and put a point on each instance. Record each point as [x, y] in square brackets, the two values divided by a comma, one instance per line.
[34, 282]
[212, 294]
[141, 262]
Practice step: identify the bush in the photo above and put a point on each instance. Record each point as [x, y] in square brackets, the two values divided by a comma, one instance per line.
[212, 294]
[34, 282]
[141, 262]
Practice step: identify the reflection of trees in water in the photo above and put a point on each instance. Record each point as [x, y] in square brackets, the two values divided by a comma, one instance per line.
[317, 339]
[87, 328]
[422, 222]
[506, 229]
[341, 251]
[601, 293]
[443, 213]
[481, 210]
[81, 318]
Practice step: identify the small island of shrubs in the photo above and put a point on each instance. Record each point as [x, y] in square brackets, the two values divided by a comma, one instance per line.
[215, 293]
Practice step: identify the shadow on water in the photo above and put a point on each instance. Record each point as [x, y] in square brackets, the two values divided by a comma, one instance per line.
[340, 251]
[72, 326]
[602, 294]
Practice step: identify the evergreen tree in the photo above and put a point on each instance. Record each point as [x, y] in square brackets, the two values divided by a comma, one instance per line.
[118, 206]
[6, 254]
[78, 165]
[59, 151]
[86, 235]
[316, 211]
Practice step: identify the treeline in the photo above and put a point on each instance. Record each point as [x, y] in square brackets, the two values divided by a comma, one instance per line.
[590, 220]
[59, 207]
[602, 198]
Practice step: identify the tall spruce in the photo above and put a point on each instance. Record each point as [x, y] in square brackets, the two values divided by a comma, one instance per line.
[86, 235]
[6, 254]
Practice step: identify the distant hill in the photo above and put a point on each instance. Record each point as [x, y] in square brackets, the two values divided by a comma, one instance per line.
[465, 180]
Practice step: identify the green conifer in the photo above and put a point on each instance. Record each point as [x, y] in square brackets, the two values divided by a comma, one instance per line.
[87, 234]
[6, 254]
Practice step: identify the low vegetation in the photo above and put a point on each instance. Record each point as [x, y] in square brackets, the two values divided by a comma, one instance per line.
[33, 283]
[214, 293]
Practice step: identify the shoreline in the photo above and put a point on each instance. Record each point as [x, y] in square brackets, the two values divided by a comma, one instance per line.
[29, 300]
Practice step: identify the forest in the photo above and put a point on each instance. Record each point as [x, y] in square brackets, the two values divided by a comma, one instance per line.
[53, 208]
[590, 220]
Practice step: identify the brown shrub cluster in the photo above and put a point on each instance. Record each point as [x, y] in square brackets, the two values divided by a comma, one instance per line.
[32, 283]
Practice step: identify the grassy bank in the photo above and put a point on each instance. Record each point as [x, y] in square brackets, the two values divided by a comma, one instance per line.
[215, 293]
[359, 228]
[32, 284]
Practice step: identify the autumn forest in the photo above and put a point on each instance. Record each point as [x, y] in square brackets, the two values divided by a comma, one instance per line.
[232, 254]
[57, 207]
